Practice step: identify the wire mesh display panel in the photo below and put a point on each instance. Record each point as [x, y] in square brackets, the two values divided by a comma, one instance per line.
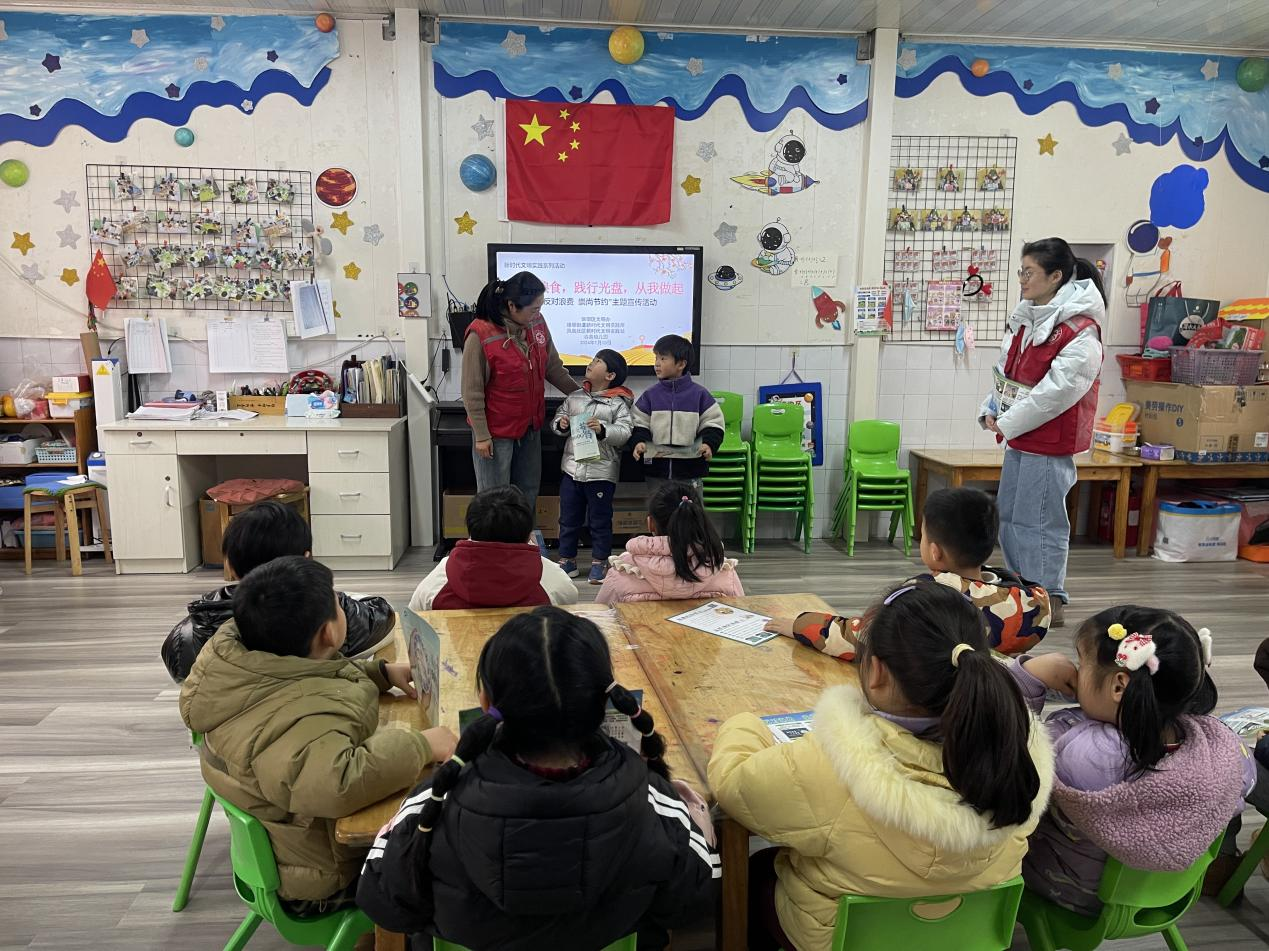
[950, 208]
[193, 238]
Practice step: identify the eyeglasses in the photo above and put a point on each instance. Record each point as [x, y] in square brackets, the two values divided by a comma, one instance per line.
[1026, 275]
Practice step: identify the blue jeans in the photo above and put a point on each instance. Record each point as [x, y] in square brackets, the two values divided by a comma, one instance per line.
[589, 504]
[515, 462]
[1035, 532]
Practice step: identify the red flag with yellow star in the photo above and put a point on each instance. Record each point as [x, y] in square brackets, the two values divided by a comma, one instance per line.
[100, 286]
[587, 164]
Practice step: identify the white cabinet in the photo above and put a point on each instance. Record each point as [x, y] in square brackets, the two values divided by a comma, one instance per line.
[146, 507]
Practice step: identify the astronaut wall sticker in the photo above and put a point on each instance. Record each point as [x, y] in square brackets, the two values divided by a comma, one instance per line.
[776, 255]
[784, 174]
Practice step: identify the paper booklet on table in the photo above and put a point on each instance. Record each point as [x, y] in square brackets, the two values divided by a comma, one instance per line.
[616, 724]
[735, 624]
[585, 440]
[787, 727]
[1249, 722]
[654, 450]
[425, 663]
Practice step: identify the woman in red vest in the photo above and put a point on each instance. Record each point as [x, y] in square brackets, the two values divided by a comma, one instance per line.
[1042, 406]
[507, 358]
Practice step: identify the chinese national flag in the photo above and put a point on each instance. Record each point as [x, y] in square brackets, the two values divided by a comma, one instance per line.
[100, 287]
[588, 164]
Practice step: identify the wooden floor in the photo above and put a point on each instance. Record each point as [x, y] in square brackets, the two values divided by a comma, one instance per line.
[99, 789]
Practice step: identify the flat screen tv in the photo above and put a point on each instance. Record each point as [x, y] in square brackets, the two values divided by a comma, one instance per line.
[619, 297]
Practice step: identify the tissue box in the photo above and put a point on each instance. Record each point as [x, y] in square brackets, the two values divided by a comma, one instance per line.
[1158, 453]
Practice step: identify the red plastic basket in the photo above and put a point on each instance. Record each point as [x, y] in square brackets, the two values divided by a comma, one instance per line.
[1155, 370]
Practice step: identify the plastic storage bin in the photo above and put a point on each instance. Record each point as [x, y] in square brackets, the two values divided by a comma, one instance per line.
[1215, 367]
[63, 405]
[1152, 369]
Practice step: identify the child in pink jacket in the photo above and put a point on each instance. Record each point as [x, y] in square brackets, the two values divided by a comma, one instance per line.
[682, 559]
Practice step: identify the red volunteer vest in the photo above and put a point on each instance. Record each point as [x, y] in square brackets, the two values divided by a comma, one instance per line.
[1071, 432]
[515, 395]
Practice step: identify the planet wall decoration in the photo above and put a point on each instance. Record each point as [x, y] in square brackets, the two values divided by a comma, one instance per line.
[335, 187]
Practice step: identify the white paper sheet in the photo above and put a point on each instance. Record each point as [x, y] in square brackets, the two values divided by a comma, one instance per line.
[246, 345]
[735, 624]
[313, 306]
[267, 342]
[815, 269]
[145, 340]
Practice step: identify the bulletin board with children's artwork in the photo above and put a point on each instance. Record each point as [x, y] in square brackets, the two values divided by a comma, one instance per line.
[949, 233]
[811, 397]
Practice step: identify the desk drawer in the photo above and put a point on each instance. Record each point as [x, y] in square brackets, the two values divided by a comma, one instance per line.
[351, 535]
[239, 442]
[140, 442]
[347, 452]
[339, 493]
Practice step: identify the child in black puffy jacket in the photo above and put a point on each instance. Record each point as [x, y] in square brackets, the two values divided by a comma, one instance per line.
[263, 532]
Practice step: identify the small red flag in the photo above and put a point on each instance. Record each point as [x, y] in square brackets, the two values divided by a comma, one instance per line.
[100, 285]
[589, 164]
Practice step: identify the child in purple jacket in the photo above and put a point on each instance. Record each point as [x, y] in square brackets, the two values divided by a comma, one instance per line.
[1142, 773]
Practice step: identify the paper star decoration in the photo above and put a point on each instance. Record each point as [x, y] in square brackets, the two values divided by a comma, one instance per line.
[22, 242]
[372, 234]
[351, 271]
[907, 58]
[513, 44]
[70, 276]
[52, 63]
[200, 63]
[68, 237]
[1122, 145]
[466, 224]
[706, 151]
[1152, 105]
[67, 201]
[1211, 69]
[842, 79]
[533, 130]
[726, 234]
[1047, 144]
[271, 56]
[575, 92]
[217, 23]
[139, 38]
[247, 105]
[31, 273]
[341, 222]
[691, 185]
[696, 66]
[172, 90]
[484, 128]
[1115, 71]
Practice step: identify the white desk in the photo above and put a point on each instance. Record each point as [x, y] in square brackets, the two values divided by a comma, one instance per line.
[158, 471]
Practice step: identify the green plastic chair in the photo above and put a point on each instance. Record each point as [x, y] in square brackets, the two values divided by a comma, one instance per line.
[972, 921]
[256, 880]
[782, 468]
[195, 844]
[874, 482]
[1251, 858]
[733, 407]
[728, 486]
[1135, 903]
[629, 943]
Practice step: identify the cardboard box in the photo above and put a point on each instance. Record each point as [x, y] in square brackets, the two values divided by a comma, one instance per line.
[72, 384]
[454, 515]
[1205, 423]
[630, 519]
[209, 519]
[264, 405]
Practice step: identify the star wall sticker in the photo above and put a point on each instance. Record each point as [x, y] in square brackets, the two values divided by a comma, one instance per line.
[484, 128]
[1211, 69]
[70, 276]
[217, 23]
[706, 151]
[35, 110]
[341, 222]
[1047, 143]
[31, 273]
[691, 185]
[1028, 85]
[139, 38]
[67, 201]
[1115, 71]
[173, 91]
[842, 79]
[271, 56]
[466, 224]
[1152, 105]
[726, 234]
[68, 237]
[351, 271]
[514, 44]
[907, 58]
[52, 63]
[575, 92]
[1122, 145]
[372, 234]
[695, 66]
[200, 63]
[22, 242]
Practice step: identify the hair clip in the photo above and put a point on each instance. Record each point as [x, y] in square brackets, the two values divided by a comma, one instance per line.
[895, 594]
[495, 713]
[1205, 639]
[1137, 651]
[684, 500]
[1116, 632]
[957, 651]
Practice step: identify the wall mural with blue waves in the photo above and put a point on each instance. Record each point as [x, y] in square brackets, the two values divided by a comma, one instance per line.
[767, 75]
[103, 73]
[1157, 97]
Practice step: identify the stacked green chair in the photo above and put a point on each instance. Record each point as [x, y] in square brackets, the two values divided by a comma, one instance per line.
[874, 482]
[1135, 903]
[256, 881]
[782, 468]
[729, 485]
[972, 921]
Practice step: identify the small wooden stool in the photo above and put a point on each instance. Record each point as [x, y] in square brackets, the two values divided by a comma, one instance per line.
[67, 503]
[226, 511]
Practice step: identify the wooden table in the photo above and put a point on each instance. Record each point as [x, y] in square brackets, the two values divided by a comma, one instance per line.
[1176, 469]
[702, 680]
[959, 466]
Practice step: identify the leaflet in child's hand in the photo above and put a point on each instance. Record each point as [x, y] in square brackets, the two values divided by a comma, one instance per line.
[787, 727]
[425, 664]
[585, 440]
[657, 450]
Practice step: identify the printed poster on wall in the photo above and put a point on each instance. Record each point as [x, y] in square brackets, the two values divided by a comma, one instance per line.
[810, 396]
